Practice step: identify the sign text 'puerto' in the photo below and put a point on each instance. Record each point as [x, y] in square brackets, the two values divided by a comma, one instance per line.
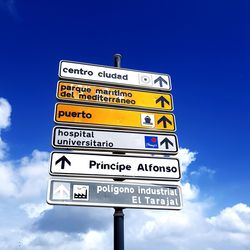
[113, 117]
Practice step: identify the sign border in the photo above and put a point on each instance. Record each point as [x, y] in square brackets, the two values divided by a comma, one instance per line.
[113, 126]
[95, 84]
[149, 151]
[114, 176]
[67, 203]
[119, 69]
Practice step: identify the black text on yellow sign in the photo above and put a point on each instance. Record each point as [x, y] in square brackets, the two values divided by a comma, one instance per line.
[104, 94]
[113, 117]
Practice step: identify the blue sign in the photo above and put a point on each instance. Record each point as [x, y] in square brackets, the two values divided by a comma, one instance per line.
[151, 142]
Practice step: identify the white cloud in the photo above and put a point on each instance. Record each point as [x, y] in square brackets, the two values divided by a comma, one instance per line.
[186, 157]
[203, 170]
[35, 210]
[233, 219]
[94, 240]
[23, 188]
[189, 191]
[25, 179]
[5, 112]
[8, 187]
[33, 175]
[188, 229]
[3, 149]
[21, 239]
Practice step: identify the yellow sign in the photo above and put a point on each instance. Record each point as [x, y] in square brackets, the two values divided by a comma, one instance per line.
[113, 117]
[92, 93]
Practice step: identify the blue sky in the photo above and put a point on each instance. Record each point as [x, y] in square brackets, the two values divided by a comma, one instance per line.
[202, 45]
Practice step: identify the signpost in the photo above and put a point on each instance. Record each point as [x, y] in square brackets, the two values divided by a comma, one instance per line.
[114, 140]
[119, 111]
[113, 194]
[115, 96]
[113, 117]
[116, 76]
[114, 166]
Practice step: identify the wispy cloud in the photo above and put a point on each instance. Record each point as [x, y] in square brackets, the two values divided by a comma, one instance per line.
[234, 219]
[9, 6]
[5, 112]
[203, 171]
[186, 157]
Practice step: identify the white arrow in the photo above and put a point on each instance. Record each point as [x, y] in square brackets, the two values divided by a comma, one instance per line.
[62, 191]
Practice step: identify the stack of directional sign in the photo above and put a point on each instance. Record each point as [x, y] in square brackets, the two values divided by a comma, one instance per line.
[114, 122]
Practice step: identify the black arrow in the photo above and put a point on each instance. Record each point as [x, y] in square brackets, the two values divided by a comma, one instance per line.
[163, 100]
[161, 81]
[165, 120]
[63, 159]
[167, 141]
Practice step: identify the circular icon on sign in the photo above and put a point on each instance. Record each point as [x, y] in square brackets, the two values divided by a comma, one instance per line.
[145, 79]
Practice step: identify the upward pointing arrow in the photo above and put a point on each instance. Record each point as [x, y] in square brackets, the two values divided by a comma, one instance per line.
[62, 191]
[63, 160]
[164, 120]
[166, 141]
[163, 100]
[161, 81]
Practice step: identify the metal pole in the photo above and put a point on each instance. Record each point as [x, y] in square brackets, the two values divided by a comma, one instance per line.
[118, 214]
[117, 60]
[118, 229]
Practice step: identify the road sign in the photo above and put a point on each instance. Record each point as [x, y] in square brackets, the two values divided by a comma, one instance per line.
[113, 117]
[113, 194]
[111, 75]
[114, 140]
[114, 166]
[102, 94]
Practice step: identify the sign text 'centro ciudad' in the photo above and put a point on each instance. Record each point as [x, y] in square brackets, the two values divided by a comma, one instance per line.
[109, 111]
[111, 75]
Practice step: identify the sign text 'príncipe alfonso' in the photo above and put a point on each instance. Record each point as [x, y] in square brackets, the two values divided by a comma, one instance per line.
[111, 166]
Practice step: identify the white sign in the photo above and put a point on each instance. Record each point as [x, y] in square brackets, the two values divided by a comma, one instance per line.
[114, 166]
[106, 74]
[113, 194]
[114, 140]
